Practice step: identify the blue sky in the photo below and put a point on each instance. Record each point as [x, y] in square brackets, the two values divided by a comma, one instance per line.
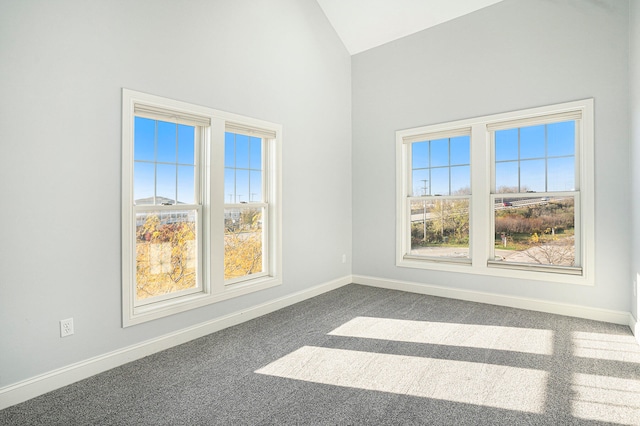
[164, 151]
[441, 163]
[164, 163]
[528, 153]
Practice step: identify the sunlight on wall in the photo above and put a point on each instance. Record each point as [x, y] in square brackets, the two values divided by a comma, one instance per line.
[606, 346]
[441, 333]
[604, 398]
[484, 384]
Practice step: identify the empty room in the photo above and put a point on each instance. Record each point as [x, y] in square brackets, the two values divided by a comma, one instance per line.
[340, 212]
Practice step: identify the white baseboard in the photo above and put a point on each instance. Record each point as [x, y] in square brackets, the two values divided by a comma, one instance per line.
[615, 317]
[634, 324]
[35, 386]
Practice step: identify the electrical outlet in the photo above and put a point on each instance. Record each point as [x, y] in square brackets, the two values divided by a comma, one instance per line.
[344, 258]
[66, 327]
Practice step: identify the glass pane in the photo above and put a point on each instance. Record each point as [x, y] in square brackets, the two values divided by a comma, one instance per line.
[440, 152]
[229, 150]
[561, 138]
[255, 194]
[166, 142]
[144, 139]
[561, 174]
[440, 228]
[242, 186]
[166, 255]
[419, 155]
[506, 144]
[230, 186]
[186, 144]
[537, 231]
[255, 153]
[166, 184]
[186, 184]
[242, 151]
[242, 242]
[460, 180]
[143, 181]
[532, 142]
[507, 177]
[440, 181]
[420, 180]
[460, 150]
[532, 175]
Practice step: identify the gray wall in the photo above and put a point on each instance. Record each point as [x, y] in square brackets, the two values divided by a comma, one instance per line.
[513, 55]
[634, 86]
[63, 64]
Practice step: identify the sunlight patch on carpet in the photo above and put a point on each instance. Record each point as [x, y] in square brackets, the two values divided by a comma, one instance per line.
[514, 339]
[475, 383]
[606, 399]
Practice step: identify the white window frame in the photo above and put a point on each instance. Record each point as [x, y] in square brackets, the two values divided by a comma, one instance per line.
[210, 136]
[482, 222]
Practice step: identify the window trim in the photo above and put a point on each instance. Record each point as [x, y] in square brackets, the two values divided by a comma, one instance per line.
[213, 124]
[481, 214]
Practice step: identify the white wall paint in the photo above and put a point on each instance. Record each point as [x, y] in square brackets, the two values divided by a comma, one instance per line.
[63, 65]
[513, 55]
[634, 105]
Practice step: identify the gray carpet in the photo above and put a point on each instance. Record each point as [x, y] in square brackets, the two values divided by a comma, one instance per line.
[368, 356]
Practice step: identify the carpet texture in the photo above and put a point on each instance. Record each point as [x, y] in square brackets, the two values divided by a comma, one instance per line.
[366, 356]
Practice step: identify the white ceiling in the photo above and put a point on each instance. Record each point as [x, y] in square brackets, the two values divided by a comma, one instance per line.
[363, 24]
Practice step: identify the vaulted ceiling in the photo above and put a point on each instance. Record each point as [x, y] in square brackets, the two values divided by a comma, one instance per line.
[364, 24]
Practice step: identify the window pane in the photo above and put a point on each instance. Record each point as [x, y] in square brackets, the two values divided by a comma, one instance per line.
[440, 181]
[255, 153]
[460, 180]
[166, 184]
[242, 242]
[561, 138]
[440, 228]
[144, 139]
[255, 183]
[532, 175]
[532, 142]
[536, 230]
[419, 155]
[229, 186]
[186, 144]
[420, 179]
[507, 177]
[460, 150]
[242, 151]
[242, 186]
[440, 152]
[186, 184]
[166, 254]
[143, 182]
[561, 174]
[229, 150]
[166, 142]
[506, 144]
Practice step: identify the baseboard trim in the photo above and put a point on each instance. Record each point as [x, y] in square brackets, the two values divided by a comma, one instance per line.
[634, 324]
[47, 382]
[615, 317]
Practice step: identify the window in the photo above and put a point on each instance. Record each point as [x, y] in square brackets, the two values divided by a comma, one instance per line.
[440, 194]
[506, 195]
[201, 210]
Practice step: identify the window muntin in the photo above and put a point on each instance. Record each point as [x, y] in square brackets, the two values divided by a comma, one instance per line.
[438, 197]
[560, 173]
[174, 205]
